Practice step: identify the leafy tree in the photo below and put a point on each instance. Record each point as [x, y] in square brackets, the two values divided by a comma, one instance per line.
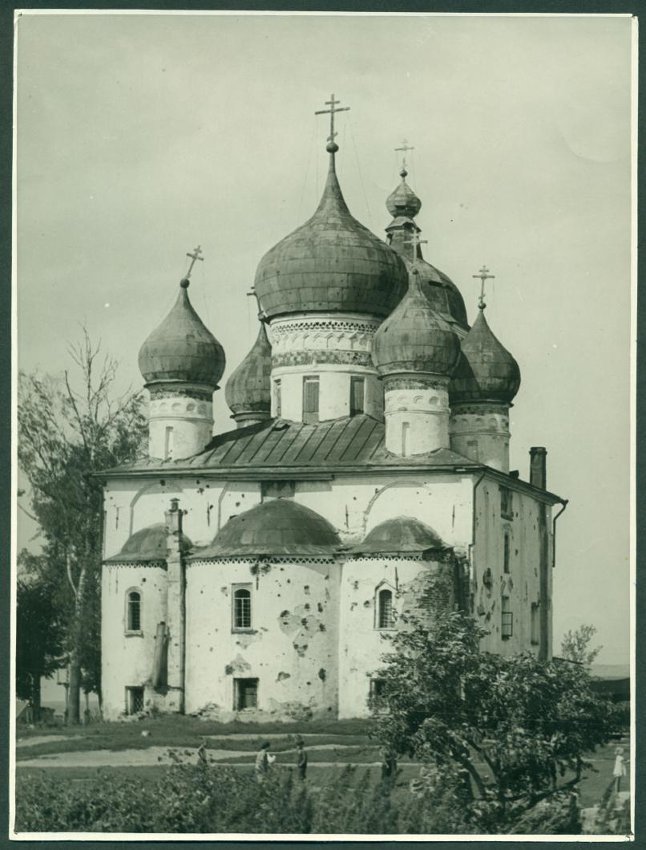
[511, 732]
[69, 428]
[39, 632]
[575, 645]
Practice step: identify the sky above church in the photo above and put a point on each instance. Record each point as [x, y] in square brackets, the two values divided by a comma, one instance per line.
[141, 136]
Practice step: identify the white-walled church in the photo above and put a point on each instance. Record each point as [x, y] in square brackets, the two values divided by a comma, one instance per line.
[259, 573]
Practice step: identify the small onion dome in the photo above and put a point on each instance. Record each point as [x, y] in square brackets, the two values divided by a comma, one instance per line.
[248, 388]
[486, 370]
[442, 293]
[277, 527]
[415, 338]
[330, 264]
[182, 348]
[401, 534]
[147, 544]
[403, 201]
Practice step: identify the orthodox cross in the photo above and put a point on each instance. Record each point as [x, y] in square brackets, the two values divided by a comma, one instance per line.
[194, 256]
[404, 148]
[332, 112]
[415, 241]
[484, 275]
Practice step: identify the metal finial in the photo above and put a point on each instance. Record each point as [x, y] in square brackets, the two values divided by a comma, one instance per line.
[332, 146]
[484, 275]
[194, 256]
[405, 147]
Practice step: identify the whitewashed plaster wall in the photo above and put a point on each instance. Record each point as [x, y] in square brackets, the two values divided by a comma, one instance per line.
[127, 658]
[361, 643]
[522, 583]
[291, 648]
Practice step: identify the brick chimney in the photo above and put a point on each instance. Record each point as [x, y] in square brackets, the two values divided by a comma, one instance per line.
[538, 466]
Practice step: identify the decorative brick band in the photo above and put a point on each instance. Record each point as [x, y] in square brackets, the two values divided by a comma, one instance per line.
[314, 358]
[490, 407]
[168, 392]
[402, 383]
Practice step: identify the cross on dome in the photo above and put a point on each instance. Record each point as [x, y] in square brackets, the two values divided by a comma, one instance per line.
[332, 112]
[405, 147]
[194, 256]
[484, 275]
[415, 241]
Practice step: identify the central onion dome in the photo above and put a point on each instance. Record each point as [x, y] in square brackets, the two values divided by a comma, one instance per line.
[415, 338]
[331, 264]
[403, 204]
[247, 392]
[486, 370]
[182, 349]
[277, 527]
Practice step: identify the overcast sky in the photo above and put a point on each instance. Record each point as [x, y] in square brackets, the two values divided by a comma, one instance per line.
[140, 136]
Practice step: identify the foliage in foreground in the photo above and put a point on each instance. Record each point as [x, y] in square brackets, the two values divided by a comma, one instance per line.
[512, 732]
[208, 799]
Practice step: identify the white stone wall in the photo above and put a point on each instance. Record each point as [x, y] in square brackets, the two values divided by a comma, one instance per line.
[331, 348]
[361, 642]
[179, 426]
[522, 583]
[417, 418]
[127, 658]
[482, 436]
[291, 648]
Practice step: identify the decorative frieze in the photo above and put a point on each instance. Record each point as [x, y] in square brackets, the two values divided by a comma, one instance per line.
[315, 358]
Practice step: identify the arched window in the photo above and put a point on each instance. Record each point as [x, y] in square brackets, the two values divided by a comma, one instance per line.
[242, 608]
[385, 612]
[133, 611]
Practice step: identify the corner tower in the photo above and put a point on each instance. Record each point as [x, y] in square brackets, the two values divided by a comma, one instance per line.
[181, 363]
[324, 290]
[415, 351]
[485, 382]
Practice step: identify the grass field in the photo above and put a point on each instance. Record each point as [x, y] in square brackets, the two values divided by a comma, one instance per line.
[330, 746]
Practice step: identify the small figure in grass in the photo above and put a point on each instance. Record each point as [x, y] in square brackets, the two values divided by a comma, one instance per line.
[388, 764]
[263, 760]
[201, 753]
[301, 759]
[619, 770]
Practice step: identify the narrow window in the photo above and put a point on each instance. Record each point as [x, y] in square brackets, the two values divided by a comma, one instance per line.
[385, 612]
[169, 439]
[134, 700]
[535, 625]
[472, 449]
[310, 400]
[405, 430]
[507, 619]
[133, 615]
[506, 503]
[357, 395]
[505, 553]
[241, 608]
[376, 696]
[245, 694]
[278, 407]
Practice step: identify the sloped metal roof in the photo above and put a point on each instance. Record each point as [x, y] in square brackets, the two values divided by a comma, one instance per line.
[356, 441]
[400, 534]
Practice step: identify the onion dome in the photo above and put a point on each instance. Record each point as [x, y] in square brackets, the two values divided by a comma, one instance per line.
[182, 349]
[401, 534]
[277, 527]
[403, 204]
[403, 201]
[415, 338]
[147, 544]
[247, 392]
[486, 370]
[330, 264]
